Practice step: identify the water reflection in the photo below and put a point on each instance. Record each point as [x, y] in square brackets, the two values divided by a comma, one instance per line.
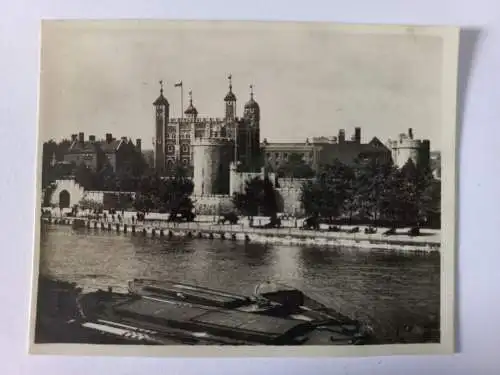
[384, 289]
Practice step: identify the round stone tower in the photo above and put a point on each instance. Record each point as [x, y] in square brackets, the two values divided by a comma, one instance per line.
[211, 160]
[405, 148]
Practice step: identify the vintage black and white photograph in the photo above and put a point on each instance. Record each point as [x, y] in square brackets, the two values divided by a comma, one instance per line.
[242, 184]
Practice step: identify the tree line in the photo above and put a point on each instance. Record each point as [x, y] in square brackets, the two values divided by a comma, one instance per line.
[371, 191]
[375, 191]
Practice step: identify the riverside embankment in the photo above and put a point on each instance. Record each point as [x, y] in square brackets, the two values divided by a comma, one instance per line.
[427, 241]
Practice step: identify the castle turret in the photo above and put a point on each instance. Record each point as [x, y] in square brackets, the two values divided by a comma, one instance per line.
[230, 100]
[191, 112]
[251, 110]
[162, 108]
[407, 148]
[249, 135]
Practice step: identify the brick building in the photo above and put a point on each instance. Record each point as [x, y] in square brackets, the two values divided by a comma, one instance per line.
[324, 150]
[96, 154]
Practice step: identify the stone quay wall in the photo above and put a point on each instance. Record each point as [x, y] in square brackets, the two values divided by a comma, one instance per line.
[285, 236]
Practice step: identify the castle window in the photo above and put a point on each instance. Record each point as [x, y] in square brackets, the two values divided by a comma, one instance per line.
[285, 155]
[268, 155]
[170, 148]
[185, 148]
[185, 161]
[276, 155]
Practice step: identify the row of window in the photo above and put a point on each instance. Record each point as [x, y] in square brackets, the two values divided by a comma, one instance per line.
[284, 155]
[182, 135]
[184, 148]
[85, 156]
[170, 163]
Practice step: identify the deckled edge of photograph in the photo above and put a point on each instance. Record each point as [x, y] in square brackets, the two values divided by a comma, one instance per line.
[450, 36]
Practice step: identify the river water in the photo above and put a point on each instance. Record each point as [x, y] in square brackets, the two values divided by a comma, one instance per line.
[384, 289]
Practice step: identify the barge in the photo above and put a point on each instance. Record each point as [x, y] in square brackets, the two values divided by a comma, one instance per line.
[155, 312]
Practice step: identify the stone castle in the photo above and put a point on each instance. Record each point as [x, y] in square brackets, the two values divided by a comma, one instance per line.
[207, 145]
[222, 154]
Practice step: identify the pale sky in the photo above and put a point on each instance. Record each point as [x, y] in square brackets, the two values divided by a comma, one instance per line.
[309, 80]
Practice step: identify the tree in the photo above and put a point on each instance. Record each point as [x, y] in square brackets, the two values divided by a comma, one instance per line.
[327, 194]
[165, 194]
[87, 204]
[47, 195]
[370, 187]
[248, 202]
[431, 203]
[259, 197]
[85, 177]
[295, 167]
[392, 198]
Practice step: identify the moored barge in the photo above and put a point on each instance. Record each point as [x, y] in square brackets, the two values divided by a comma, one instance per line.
[166, 312]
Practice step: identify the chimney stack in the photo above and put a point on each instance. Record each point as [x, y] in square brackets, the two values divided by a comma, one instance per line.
[341, 136]
[109, 137]
[138, 144]
[357, 135]
[410, 133]
[92, 138]
[81, 137]
[74, 137]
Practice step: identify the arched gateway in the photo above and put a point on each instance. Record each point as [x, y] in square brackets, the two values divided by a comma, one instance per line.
[67, 194]
[64, 199]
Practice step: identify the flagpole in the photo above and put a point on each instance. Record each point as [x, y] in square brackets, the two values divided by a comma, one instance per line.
[178, 128]
[182, 100]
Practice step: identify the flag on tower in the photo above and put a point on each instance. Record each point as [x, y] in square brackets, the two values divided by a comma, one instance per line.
[178, 84]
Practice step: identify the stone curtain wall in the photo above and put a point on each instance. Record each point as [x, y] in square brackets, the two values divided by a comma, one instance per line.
[212, 204]
[77, 194]
[290, 190]
[237, 180]
[98, 196]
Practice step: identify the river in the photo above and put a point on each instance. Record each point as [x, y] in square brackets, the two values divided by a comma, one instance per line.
[383, 289]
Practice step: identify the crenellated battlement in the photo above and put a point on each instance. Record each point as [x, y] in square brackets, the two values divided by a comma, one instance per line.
[405, 143]
[197, 120]
[211, 141]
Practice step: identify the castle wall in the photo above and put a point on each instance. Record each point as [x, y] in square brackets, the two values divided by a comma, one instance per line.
[238, 180]
[212, 204]
[290, 191]
[109, 199]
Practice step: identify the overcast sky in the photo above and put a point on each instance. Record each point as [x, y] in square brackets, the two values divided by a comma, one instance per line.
[309, 80]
